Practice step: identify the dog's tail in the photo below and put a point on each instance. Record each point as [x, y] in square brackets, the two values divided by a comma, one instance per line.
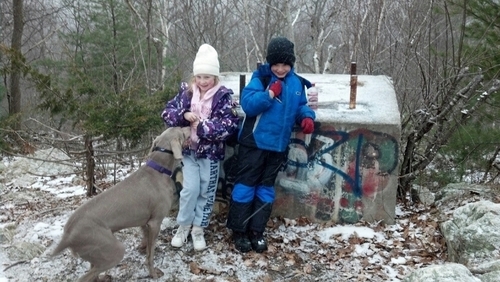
[63, 244]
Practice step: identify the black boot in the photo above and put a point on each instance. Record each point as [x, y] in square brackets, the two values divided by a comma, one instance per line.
[258, 241]
[237, 220]
[258, 223]
[241, 242]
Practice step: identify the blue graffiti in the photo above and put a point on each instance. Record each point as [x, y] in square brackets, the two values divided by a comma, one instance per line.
[343, 137]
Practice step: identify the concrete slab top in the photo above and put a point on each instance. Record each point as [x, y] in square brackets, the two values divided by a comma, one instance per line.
[376, 101]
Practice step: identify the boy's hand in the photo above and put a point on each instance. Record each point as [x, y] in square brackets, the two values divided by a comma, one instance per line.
[276, 88]
[307, 125]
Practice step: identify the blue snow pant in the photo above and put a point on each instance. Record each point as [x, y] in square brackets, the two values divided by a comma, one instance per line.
[253, 193]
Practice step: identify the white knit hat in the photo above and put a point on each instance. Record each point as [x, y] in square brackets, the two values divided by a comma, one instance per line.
[206, 61]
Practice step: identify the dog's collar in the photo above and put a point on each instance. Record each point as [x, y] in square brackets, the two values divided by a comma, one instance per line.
[163, 150]
[158, 167]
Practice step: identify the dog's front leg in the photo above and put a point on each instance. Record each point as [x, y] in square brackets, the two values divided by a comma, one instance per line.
[153, 229]
[93, 276]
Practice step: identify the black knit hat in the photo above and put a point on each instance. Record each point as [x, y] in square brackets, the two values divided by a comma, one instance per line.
[280, 50]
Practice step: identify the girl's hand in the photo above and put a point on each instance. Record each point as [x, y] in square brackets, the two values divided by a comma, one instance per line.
[195, 123]
[189, 116]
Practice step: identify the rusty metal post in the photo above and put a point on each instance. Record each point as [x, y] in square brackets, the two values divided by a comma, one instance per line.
[242, 85]
[354, 85]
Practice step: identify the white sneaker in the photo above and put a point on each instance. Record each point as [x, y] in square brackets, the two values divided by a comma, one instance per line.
[180, 236]
[199, 243]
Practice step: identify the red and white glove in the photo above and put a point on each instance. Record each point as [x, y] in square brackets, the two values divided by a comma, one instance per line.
[307, 125]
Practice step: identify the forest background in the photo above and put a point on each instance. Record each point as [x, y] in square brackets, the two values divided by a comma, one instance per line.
[91, 76]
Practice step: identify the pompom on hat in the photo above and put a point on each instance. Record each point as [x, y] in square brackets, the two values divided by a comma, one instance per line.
[206, 61]
[280, 50]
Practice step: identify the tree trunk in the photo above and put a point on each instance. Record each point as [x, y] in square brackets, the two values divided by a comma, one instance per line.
[89, 156]
[14, 97]
[491, 163]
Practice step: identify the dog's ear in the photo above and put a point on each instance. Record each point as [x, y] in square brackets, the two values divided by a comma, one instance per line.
[176, 145]
[155, 141]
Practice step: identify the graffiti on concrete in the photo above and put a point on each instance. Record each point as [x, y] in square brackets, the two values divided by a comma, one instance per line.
[330, 172]
[327, 174]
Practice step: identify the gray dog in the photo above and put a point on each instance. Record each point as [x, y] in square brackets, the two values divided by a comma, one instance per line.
[142, 199]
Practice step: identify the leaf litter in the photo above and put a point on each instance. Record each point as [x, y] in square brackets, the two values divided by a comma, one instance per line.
[32, 218]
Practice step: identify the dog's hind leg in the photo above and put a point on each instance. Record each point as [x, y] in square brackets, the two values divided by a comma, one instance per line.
[152, 231]
[144, 242]
[103, 256]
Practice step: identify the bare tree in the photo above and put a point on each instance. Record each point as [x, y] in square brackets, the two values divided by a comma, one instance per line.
[265, 19]
[27, 29]
[157, 21]
[258, 52]
[15, 75]
[321, 15]
[419, 44]
[364, 31]
[450, 89]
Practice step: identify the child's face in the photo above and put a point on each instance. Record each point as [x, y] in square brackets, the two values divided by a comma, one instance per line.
[280, 70]
[204, 81]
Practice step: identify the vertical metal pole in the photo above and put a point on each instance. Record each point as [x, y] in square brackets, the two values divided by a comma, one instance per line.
[354, 85]
[242, 85]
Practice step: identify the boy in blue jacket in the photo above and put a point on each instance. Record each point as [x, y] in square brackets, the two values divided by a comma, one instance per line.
[270, 115]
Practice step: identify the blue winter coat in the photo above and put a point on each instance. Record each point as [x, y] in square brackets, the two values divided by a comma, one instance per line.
[268, 124]
[212, 132]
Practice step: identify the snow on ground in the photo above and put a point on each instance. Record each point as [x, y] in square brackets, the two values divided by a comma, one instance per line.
[34, 209]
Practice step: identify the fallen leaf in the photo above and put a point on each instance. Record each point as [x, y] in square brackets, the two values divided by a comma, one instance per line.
[307, 269]
[193, 267]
